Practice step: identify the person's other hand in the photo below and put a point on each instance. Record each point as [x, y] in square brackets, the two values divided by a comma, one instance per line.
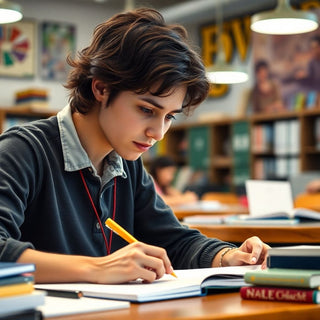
[252, 251]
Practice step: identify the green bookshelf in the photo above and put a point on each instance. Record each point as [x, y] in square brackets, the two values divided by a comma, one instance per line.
[199, 147]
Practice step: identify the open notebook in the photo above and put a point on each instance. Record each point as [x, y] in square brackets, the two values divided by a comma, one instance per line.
[57, 307]
[193, 282]
[273, 199]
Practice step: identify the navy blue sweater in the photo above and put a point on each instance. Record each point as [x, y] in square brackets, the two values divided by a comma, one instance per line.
[45, 207]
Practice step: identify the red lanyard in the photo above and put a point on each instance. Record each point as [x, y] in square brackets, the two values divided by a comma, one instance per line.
[108, 245]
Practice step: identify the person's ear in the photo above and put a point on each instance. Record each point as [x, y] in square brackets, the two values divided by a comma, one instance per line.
[99, 90]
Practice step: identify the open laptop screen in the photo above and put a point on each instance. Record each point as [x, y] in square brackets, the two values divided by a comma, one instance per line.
[265, 196]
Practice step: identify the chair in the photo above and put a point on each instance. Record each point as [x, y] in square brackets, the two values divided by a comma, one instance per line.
[308, 200]
[223, 197]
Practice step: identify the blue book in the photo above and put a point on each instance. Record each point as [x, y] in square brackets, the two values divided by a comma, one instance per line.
[294, 257]
[311, 99]
[23, 278]
[9, 269]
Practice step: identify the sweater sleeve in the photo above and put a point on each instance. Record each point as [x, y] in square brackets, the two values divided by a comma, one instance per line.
[156, 224]
[15, 173]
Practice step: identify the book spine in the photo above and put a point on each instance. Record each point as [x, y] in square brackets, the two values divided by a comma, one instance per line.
[24, 315]
[278, 294]
[16, 289]
[283, 279]
[294, 262]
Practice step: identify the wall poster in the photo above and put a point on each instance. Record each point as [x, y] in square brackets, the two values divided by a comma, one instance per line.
[17, 49]
[287, 71]
[57, 42]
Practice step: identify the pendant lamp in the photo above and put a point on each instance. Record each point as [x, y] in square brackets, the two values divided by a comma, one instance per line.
[221, 72]
[9, 12]
[284, 20]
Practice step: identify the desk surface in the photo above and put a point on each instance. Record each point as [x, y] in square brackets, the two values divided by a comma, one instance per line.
[181, 212]
[295, 234]
[225, 306]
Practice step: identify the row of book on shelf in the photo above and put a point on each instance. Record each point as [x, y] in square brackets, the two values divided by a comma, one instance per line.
[303, 100]
[276, 167]
[280, 137]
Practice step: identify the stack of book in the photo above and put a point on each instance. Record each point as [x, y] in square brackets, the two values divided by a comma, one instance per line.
[18, 299]
[35, 97]
[293, 275]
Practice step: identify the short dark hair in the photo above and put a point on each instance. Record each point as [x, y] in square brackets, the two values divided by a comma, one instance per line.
[160, 162]
[133, 51]
[315, 38]
[261, 64]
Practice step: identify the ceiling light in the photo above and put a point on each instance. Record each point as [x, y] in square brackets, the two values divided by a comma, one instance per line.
[226, 74]
[284, 20]
[221, 72]
[9, 12]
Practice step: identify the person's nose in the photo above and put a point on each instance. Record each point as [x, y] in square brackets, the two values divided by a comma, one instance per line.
[157, 129]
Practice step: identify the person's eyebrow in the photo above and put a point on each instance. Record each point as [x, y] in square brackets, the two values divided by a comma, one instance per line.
[157, 105]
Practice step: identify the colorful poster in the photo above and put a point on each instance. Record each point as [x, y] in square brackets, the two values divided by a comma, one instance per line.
[287, 71]
[57, 42]
[17, 49]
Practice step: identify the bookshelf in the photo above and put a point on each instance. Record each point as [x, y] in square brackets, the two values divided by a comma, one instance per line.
[10, 116]
[221, 166]
[206, 147]
[310, 140]
[275, 141]
[231, 150]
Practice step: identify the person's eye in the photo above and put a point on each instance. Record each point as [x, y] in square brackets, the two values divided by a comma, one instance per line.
[170, 117]
[147, 111]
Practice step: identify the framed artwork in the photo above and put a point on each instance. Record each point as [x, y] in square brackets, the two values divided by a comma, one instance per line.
[286, 71]
[17, 49]
[57, 42]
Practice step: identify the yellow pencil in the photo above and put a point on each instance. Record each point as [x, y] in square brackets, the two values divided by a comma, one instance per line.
[123, 234]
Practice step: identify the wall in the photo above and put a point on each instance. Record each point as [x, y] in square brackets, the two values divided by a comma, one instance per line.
[86, 17]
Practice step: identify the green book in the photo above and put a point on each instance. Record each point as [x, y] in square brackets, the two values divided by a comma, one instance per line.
[199, 146]
[284, 277]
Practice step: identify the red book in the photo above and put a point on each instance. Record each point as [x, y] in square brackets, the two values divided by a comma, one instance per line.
[280, 294]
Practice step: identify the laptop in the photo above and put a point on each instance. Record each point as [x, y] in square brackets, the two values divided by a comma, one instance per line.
[266, 197]
[272, 202]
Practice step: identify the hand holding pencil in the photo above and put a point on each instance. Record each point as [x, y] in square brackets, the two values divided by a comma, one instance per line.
[112, 225]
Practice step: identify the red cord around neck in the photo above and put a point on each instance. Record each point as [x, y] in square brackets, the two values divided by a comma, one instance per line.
[108, 245]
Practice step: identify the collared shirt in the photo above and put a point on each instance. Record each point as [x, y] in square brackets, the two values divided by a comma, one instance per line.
[76, 158]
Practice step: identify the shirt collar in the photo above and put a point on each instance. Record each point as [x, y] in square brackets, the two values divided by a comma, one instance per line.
[74, 155]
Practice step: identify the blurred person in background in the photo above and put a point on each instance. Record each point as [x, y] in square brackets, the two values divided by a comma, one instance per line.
[163, 170]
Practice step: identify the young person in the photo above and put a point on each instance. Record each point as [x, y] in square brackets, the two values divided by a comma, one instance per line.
[62, 177]
[266, 96]
[309, 77]
[313, 186]
[163, 170]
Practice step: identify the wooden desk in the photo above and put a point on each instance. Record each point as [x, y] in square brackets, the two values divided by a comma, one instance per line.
[292, 234]
[225, 306]
[181, 213]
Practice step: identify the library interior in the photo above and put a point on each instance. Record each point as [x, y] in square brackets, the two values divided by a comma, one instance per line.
[245, 162]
